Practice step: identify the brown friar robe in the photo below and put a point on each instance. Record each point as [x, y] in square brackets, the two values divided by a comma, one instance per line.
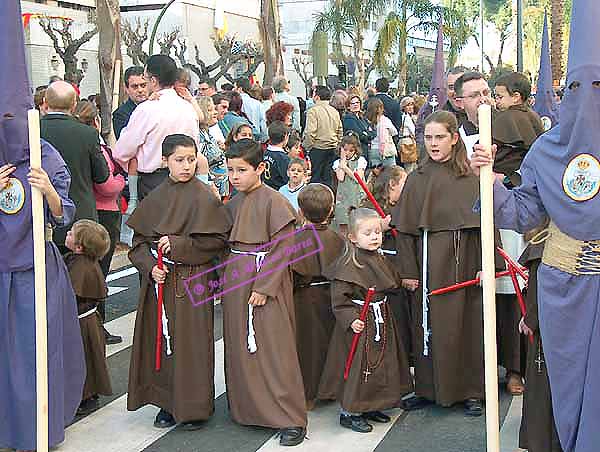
[538, 431]
[196, 224]
[264, 386]
[90, 289]
[513, 131]
[312, 301]
[380, 373]
[434, 199]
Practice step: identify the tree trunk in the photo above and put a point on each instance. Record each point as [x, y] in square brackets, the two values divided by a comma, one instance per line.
[109, 50]
[557, 20]
[271, 40]
[360, 62]
[72, 73]
[402, 63]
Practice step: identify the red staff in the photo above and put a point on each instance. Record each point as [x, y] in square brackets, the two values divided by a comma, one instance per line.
[372, 199]
[462, 285]
[159, 295]
[363, 318]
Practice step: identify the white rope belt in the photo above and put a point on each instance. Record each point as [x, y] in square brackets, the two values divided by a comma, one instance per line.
[319, 283]
[164, 318]
[166, 260]
[425, 324]
[88, 313]
[390, 252]
[376, 305]
[259, 259]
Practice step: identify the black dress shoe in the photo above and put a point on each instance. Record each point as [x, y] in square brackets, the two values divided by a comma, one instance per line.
[164, 419]
[376, 416]
[473, 407]
[111, 339]
[87, 406]
[192, 425]
[414, 403]
[291, 436]
[355, 423]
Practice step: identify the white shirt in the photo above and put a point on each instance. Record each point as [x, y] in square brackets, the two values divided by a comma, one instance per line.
[285, 97]
[254, 110]
[148, 126]
[216, 132]
[361, 164]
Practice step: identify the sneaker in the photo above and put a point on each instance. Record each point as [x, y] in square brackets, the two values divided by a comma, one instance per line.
[376, 416]
[355, 423]
[473, 407]
[291, 436]
[164, 419]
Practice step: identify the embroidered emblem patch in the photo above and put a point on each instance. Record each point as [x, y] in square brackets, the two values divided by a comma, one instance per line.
[546, 122]
[12, 197]
[581, 180]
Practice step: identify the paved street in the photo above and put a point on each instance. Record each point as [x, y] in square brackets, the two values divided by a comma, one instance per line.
[113, 429]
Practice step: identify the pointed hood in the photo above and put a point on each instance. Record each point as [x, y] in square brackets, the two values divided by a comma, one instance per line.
[580, 107]
[438, 96]
[15, 93]
[545, 101]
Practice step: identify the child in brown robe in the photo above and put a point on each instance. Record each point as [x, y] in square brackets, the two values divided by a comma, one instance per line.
[88, 242]
[262, 371]
[312, 291]
[380, 374]
[186, 220]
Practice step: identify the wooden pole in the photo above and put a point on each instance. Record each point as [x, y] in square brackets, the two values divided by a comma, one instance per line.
[115, 99]
[488, 248]
[39, 266]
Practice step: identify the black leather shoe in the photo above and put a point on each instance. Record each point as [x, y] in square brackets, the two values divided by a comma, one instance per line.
[87, 406]
[414, 403]
[111, 339]
[291, 436]
[376, 416]
[192, 425]
[473, 407]
[355, 423]
[164, 419]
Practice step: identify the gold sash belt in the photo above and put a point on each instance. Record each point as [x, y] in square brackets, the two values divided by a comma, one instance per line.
[576, 257]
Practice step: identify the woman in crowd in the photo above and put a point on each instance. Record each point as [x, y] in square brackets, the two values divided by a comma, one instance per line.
[354, 122]
[407, 131]
[234, 115]
[217, 166]
[280, 111]
[382, 150]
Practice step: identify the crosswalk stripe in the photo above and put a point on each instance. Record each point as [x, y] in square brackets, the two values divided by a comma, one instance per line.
[509, 433]
[122, 326]
[325, 433]
[121, 274]
[129, 431]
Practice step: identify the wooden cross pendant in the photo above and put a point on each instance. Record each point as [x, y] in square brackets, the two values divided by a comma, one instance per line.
[539, 360]
[367, 372]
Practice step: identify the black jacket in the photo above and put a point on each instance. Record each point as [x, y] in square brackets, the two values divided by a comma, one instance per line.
[120, 117]
[361, 127]
[79, 147]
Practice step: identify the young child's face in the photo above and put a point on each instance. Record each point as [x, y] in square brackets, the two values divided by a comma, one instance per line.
[242, 175]
[439, 142]
[182, 163]
[504, 100]
[70, 241]
[368, 235]
[349, 151]
[294, 152]
[296, 174]
[395, 188]
[243, 132]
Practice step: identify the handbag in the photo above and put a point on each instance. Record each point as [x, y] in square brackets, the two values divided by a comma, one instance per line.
[408, 147]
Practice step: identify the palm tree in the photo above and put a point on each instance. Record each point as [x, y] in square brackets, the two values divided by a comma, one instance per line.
[348, 20]
[557, 19]
[413, 15]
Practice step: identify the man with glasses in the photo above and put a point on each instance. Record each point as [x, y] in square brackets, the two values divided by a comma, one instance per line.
[136, 88]
[451, 105]
[471, 91]
[206, 88]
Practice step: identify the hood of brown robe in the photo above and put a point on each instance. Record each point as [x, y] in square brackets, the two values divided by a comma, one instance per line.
[87, 278]
[435, 199]
[375, 270]
[179, 208]
[515, 130]
[259, 215]
[333, 247]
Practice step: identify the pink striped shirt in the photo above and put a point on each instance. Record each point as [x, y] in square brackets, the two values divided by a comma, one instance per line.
[148, 126]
